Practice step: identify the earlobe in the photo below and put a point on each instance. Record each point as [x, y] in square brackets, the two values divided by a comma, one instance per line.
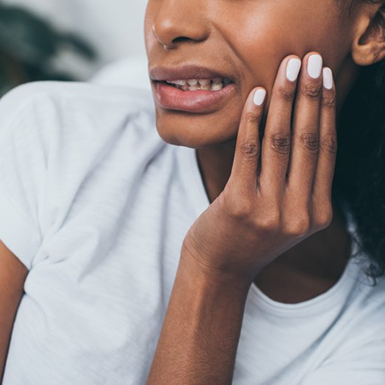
[368, 46]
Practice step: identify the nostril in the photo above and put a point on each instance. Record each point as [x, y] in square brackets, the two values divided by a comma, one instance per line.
[180, 39]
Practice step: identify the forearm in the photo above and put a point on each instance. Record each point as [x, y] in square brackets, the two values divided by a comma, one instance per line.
[12, 278]
[200, 334]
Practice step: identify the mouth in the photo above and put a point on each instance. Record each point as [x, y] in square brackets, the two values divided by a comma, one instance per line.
[191, 88]
[193, 85]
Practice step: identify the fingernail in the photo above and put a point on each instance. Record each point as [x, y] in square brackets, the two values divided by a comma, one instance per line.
[314, 66]
[292, 69]
[259, 96]
[328, 78]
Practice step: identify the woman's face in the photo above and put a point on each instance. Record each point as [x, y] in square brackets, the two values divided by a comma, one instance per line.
[244, 40]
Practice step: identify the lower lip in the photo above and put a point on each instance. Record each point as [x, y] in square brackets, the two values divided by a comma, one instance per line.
[172, 98]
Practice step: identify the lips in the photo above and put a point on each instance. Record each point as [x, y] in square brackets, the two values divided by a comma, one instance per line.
[196, 101]
[171, 98]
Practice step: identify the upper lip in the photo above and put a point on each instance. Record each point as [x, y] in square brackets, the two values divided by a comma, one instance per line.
[185, 72]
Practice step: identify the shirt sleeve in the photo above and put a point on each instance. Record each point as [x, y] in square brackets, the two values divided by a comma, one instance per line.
[22, 170]
[364, 365]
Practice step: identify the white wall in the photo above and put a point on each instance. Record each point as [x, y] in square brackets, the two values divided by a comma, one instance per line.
[114, 27]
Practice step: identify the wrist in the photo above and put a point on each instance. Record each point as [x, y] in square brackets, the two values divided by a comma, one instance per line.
[209, 279]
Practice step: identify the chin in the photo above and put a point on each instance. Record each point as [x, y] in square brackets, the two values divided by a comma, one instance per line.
[197, 130]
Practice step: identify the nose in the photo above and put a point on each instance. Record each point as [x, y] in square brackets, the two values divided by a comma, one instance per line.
[180, 20]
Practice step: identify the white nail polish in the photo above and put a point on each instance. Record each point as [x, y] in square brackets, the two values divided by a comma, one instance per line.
[328, 78]
[259, 96]
[314, 66]
[292, 69]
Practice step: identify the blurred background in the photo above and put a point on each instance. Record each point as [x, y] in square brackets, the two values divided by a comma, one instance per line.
[85, 40]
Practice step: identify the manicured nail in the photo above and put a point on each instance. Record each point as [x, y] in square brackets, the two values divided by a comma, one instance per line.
[328, 78]
[292, 69]
[259, 96]
[314, 66]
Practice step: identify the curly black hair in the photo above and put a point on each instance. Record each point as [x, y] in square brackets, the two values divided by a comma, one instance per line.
[359, 181]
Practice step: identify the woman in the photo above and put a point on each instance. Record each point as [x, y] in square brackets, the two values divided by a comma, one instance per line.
[226, 242]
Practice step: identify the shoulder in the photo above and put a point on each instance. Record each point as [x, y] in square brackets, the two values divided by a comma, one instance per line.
[369, 299]
[367, 294]
[74, 98]
[355, 349]
[364, 307]
[364, 314]
[58, 137]
[59, 109]
[75, 91]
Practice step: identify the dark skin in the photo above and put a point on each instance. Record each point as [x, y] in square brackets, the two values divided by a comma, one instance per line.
[271, 220]
[306, 270]
[252, 54]
[249, 39]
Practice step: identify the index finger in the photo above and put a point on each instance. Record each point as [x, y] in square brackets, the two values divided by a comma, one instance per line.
[247, 149]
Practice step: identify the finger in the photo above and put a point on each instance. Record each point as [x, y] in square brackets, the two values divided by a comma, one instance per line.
[247, 148]
[322, 190]
[277, 135]
[305, 136]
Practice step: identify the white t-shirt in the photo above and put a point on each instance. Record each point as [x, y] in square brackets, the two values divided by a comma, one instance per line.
[97, 205]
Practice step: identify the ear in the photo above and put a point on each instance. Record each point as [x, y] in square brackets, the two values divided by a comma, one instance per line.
[368, 46]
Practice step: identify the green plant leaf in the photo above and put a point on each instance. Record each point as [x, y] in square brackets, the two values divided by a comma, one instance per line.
[25, 36]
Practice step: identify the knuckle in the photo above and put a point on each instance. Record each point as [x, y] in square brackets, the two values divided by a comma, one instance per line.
[329, 99]
[238, 205]
[329, 143]
[240, 210]
[310, 141]
[249, 150]
[312, 91]
[231, 203]
[280, 142]
[299, 227]
[270, 223]
[253, 116]
[324, 218]
[286, 94]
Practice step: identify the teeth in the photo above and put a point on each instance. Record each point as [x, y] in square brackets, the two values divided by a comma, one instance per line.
[180, 82]
[192, 82]
[215, 84]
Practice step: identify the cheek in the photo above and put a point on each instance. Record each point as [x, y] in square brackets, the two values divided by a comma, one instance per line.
[259, 43]
[263, 36]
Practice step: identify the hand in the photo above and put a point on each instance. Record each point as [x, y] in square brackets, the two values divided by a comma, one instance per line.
[278, 193]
